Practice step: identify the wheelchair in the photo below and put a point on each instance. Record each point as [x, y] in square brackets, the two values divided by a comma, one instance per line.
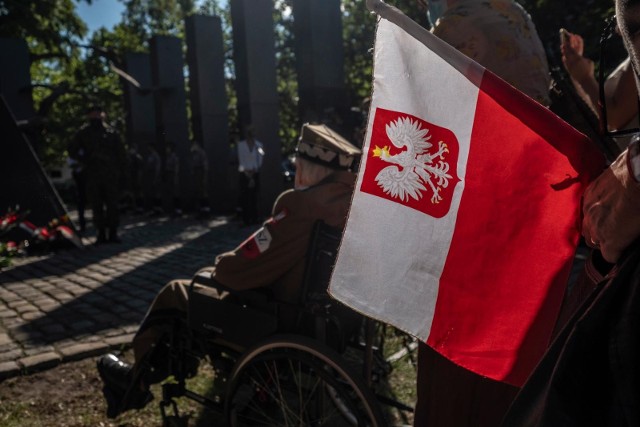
[277, 363]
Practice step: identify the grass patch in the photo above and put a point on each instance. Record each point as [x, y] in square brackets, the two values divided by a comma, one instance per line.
[70, 395]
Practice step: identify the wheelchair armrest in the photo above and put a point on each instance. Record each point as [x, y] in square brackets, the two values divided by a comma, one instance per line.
[255, 297]
[204, 277]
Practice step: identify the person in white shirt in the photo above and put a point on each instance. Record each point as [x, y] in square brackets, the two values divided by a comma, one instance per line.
[250, 154]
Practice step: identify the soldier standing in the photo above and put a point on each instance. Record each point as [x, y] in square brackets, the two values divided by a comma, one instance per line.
[104, 159]
[151, 179]
[200, 174]
[134, 175]
[172, 179]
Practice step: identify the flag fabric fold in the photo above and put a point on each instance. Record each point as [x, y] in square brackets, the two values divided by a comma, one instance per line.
[465, 216]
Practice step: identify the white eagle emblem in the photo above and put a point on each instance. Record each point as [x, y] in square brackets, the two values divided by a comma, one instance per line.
[414, 167]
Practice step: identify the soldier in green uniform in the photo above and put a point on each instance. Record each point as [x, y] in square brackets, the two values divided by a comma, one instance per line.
[199, 178]
[274, 256]
[100, 151]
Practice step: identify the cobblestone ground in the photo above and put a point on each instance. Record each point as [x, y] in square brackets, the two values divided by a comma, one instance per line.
[78, 303]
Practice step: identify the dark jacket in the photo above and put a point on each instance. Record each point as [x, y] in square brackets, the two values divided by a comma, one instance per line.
[590, 376]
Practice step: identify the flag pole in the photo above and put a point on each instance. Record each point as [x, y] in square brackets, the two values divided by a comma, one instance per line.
[393, 14]
[471, 69]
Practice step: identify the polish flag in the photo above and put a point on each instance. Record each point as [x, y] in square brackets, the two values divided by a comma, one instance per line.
[465, 218]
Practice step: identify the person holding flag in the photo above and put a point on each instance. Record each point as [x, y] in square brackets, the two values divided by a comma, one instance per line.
[589, 375]
[459, 170]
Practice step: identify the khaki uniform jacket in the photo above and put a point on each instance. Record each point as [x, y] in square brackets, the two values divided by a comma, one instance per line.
[275, 254]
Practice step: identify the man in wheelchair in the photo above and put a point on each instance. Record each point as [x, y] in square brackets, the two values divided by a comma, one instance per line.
[273, 257]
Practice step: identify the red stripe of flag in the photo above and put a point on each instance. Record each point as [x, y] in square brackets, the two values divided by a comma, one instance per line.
[520, 193]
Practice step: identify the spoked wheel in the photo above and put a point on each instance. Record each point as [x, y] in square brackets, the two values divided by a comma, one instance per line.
[295, 381]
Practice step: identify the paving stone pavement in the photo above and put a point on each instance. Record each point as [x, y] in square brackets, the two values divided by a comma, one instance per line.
[79, 303]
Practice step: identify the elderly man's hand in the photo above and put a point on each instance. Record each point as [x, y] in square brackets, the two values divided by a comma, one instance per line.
[611, 209]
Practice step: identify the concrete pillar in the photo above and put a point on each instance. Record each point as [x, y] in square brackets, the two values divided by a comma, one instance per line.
[140, 109]
[15, 87]
[209, 105]
[172, 125]
[15, 77]
[319, 58]
[26, 183]
[255, 65]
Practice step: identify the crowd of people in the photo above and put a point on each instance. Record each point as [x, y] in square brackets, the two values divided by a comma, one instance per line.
[587, 377]
[110, 178]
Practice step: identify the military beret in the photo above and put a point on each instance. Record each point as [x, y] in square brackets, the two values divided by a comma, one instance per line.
[320, 144]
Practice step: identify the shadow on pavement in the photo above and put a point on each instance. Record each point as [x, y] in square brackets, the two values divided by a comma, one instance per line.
[106, 290]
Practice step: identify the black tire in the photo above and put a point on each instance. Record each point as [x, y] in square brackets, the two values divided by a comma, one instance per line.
[291, 380]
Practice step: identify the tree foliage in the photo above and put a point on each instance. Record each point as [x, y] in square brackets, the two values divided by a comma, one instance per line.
[146, 18]
[52, 30]
[70, 71]
[51, 23]
[359, 27]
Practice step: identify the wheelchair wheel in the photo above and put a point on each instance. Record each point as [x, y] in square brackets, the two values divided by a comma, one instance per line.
[295, 381]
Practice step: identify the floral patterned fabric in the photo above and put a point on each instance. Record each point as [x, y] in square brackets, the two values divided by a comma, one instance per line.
[499, 35]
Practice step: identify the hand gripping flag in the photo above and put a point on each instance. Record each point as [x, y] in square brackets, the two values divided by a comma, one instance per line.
[465, 217]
